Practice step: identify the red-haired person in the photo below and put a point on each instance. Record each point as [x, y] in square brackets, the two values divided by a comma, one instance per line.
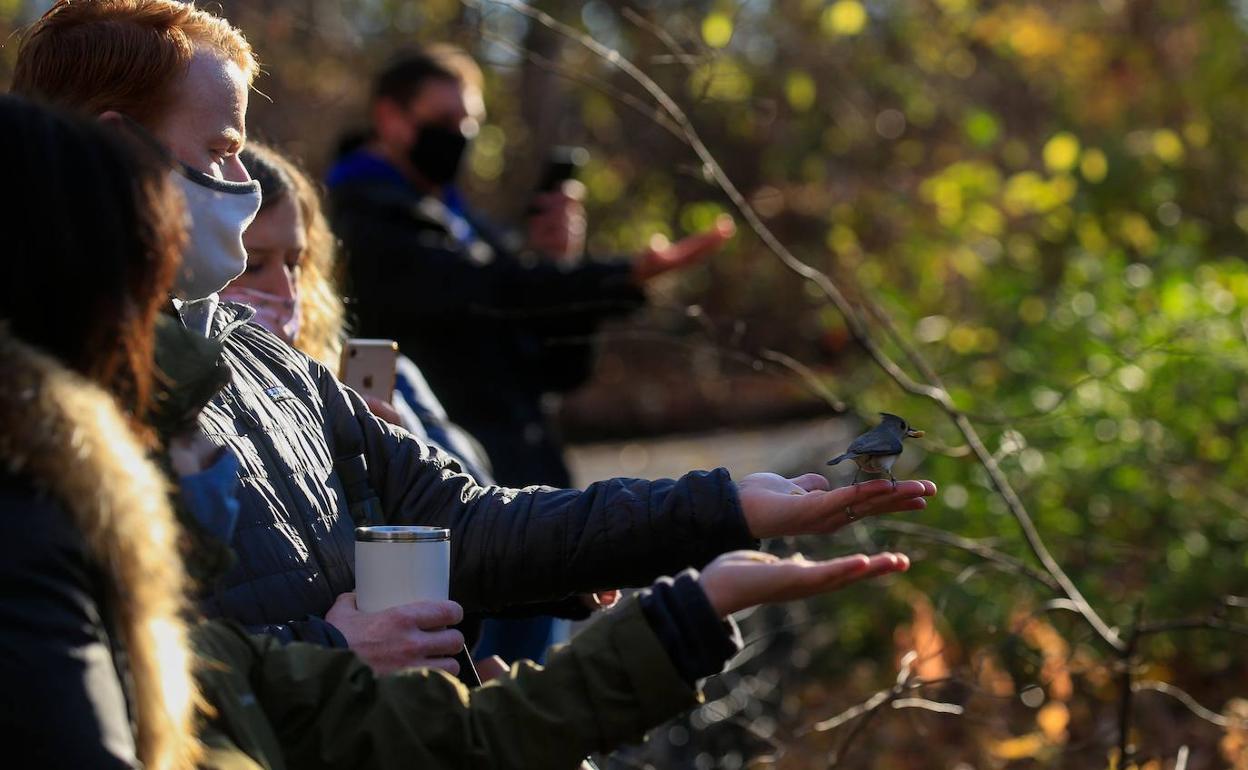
[95, 664]
[184, 75]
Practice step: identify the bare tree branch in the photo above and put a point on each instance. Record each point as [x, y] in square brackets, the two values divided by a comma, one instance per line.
[1194, 706]
[808, 376]
[934, 535]
[852, 713]
[677, 53]
[933, 389]
[927, 705]
[1211, 623]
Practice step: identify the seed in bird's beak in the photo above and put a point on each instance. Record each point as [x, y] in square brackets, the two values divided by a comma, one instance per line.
[912, 433]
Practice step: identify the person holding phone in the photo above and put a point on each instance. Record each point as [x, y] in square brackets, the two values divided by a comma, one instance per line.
[496, 330]
[291, 259]
[301, 438]
[103, 664]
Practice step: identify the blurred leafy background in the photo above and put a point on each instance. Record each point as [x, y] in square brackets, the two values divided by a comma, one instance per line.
[1049, 200]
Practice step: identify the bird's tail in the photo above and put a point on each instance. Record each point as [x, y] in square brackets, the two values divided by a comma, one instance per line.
[836, 460]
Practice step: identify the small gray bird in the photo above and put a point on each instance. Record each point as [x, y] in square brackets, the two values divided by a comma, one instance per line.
[876, 450]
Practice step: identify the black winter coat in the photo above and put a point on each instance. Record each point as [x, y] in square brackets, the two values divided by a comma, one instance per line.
[491, 330]
[60, 660]
[289, 422]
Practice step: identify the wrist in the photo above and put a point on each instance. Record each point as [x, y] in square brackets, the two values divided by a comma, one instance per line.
[696, 637]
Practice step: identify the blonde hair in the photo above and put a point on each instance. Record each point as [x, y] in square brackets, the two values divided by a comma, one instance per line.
[320, 296]
[320, 300]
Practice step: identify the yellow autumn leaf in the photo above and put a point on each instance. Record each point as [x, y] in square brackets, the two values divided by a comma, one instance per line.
[799, 89]
[1020, 747]
[1053, 718]
[717, 30]
[844, 17]
[1094, 165]
[1167, 146]
[1061, 152]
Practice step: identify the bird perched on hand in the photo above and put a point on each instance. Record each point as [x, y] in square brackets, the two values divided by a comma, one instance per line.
[876, 450]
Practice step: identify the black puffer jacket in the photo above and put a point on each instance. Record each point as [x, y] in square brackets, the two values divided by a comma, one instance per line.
[290, 422]
[492, 330]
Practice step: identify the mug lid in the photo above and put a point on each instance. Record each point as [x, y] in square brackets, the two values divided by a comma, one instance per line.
[401, 534]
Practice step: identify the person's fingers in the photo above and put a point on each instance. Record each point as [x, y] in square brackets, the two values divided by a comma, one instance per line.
[695, 247]
[901, 500]
[863, 492]
[344, 603]
[875, 495]
[834, 570]
[605, 600]
[797, 578]
[867, 568]
[449, 665]
[574, 190]
[811, 482]
[447, 642]
[491, 668]
[425, 615]
[833, 502]
[884, 564]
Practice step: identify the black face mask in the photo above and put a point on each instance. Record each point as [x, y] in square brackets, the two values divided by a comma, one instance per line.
[438, 153]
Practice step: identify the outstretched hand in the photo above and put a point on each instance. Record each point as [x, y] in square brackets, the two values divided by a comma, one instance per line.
[775, 506]
[742, 579]
[662, 257]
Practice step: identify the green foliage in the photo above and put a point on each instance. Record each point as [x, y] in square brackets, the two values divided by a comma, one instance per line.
[1046, 197]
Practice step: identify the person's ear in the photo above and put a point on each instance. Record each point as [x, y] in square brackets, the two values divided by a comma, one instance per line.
[112, 118]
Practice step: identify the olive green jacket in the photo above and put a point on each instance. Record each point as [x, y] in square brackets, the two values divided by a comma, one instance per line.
[304, 706]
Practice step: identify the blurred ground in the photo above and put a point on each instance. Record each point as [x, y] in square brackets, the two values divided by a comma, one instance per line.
[790, 448]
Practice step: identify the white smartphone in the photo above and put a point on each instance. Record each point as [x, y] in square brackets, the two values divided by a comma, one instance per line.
[368, 367]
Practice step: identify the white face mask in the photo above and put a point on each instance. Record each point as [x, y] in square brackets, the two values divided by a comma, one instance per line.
[219, 212]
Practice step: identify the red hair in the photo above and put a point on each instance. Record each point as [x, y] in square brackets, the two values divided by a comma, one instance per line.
[123, 55]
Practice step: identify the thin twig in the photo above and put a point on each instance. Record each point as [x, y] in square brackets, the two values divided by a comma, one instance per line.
[932, 534]
[807, 375]
[1180, 762]
[1126, 691]
[933, 389]
[1211, 623]
[1194, 706]
[853, 712]
[601, 86]
[927, 705]
[677, 53]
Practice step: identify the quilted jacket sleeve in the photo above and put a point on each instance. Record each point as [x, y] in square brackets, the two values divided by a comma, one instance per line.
[513, 546]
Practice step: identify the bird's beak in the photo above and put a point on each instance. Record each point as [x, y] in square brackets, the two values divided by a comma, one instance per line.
[912, 433]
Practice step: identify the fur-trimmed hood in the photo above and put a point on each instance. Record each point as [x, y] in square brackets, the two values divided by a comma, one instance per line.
[69, 439]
